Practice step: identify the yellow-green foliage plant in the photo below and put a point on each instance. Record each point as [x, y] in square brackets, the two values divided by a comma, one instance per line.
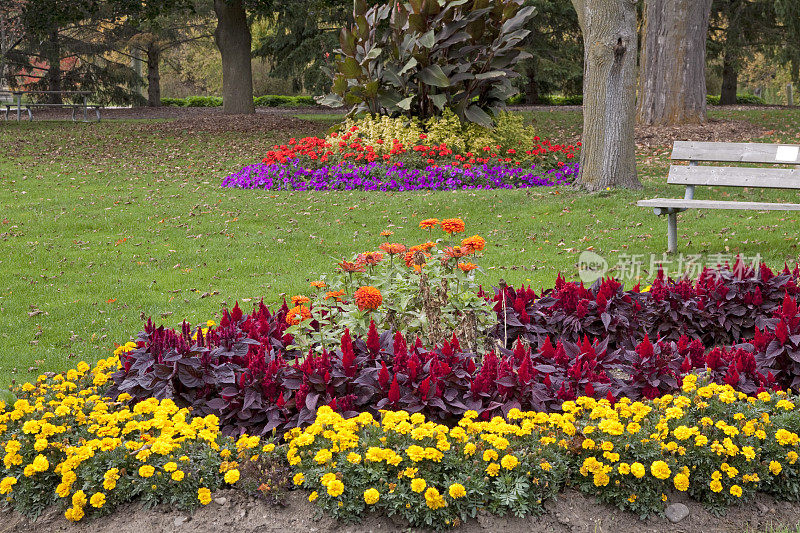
[381, 131]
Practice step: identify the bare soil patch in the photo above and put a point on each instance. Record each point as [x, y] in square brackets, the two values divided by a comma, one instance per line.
[713, 130]
[572, 513]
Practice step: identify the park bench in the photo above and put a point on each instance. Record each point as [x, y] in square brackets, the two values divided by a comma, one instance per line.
[696, 175]
[18, 106]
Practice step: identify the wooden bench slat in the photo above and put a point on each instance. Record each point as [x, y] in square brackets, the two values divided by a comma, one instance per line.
[769, 178]
[736, 152]
[680, 203]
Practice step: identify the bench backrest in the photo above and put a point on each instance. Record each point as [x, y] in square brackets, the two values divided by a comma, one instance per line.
[776, 178]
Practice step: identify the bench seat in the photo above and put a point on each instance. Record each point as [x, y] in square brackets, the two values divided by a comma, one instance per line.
[680, 203]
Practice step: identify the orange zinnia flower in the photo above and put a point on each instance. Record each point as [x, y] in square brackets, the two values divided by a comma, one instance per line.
[393, 248]
[334, 294]
[428, 223]
[475, 243]
[386, 233]
[369, 258]
[368, 298]
[466, 267]
[299, 299]
[297, 314]
[347, 266]
[452, 225]
[318, 284]
[455, 252]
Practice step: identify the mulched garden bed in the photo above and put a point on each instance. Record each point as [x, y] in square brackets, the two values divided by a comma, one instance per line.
[571, 513]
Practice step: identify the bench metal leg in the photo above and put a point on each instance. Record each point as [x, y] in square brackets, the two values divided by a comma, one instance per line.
[672, 233]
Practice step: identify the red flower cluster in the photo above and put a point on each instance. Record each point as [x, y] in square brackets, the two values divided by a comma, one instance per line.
[315, 151]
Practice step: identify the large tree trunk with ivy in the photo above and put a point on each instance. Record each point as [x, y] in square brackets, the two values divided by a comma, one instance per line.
[234, 42]
[672, 80]
[608, 156]
[153, 75]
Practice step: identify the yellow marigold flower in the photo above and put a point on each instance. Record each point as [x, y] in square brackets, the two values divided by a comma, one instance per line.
[327, 478]
[313, 496]
[715, 485]
[204, 495]
[493, 469]
[638, 470]
[232, 476]
[178, 475]
[6, 484]
[457, 490]
[418, 484]
[74, 514]
[469, 448]
[775, 467]
[79, 499]
[509, 462]
[490, 455]
[681, 482]
[353, 458]
[298, 479]
[736, 490]
[97, 500]
[335, 488]
[323, 456]
[146, 471]
[545, 466]
[40, 463]
[434, 499]
[170, 467]
[371, 496]
[660, 470]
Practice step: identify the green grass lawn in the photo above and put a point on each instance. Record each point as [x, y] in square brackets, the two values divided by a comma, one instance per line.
[102, 224]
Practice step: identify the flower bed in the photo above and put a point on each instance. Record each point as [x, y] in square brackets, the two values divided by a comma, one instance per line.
[380, 177]
[714, 444]
[66, 442]
[392, 155]
[69, 442]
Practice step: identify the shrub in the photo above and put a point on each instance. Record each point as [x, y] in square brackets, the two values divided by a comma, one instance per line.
[259, 101]
[203, 101]
[743, 99]
[420, 58]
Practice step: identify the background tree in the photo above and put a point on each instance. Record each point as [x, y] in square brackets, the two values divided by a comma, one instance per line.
[608, 157]
[788, 15]
[298, 37]
[150, 38]
[738, 29]
[11, 33]
[68, 46]
[672, 76]
[556, 49]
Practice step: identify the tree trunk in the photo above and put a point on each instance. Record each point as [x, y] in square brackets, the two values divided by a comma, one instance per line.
[532, 95]
[234, 42]
[153, 76]
[672, 81]
[54, 67]
[730, 78]
[608, 156]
